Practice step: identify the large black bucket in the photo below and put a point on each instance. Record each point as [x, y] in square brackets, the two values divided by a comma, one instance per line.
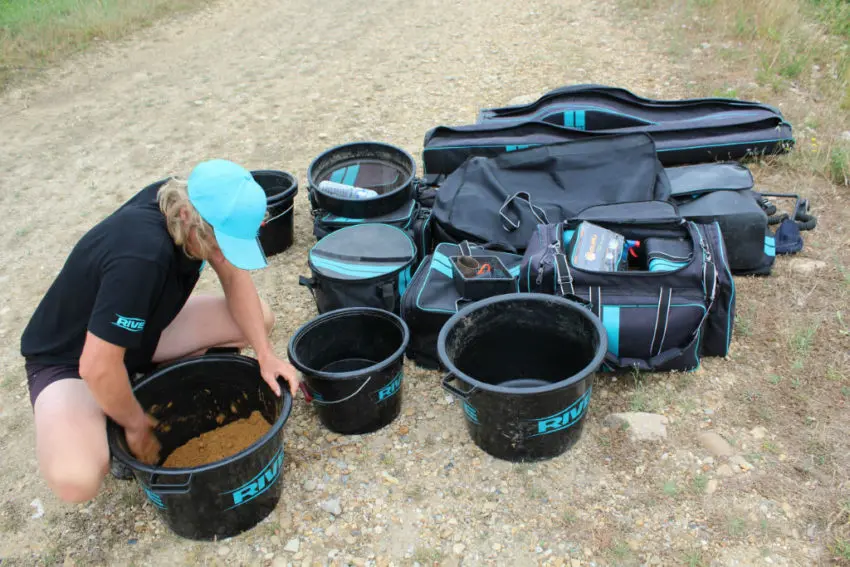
[526, 364]
[352, 361]
[227, 497]
[276, 232]
[386, 169]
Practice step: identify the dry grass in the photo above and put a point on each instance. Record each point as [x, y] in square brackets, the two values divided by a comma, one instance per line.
[34, 35]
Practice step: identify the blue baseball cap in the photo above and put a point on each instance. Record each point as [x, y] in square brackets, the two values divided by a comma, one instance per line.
[227, 197]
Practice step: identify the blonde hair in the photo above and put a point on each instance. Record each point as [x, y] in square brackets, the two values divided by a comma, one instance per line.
[173, 197]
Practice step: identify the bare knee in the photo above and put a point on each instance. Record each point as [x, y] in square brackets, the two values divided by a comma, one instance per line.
[268, 316]
[75, 482]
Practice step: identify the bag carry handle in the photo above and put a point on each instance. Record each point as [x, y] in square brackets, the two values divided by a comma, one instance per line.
[563, 275]
[311, 284]
[387, 294]
[455, 391]
[316, 400]
[509, 224]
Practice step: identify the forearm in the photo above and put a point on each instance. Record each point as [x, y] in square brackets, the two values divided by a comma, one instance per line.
[110, 386]
[246, 309]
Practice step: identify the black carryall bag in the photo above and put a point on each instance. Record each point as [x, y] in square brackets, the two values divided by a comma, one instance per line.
[500, 201]
[658, 317]
[434, 295]
[723, 193]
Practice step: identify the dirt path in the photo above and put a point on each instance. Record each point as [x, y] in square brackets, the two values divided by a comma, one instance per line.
[271, 85]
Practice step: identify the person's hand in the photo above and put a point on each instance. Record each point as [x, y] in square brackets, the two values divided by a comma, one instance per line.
[142, 442]
[271, 367]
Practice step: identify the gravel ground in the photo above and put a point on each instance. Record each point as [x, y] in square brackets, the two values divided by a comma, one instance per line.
[271, 85]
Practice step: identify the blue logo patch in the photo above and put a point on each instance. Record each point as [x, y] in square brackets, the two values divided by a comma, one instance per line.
[471, 413]
[132, 324]
[260, 483]
[390, 389]
[563, 419]
[154, 498]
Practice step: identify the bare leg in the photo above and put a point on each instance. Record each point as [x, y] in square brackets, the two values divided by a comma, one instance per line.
[203, 323]
[70, 428]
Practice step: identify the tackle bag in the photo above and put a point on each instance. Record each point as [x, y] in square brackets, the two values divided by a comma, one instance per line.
[723, 193]
[412, 218]
[661, 316]
[434, 295]
[367, 265]
[501, 200]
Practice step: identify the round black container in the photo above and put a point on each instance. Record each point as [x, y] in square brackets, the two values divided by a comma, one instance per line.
[352, 361]
[525, 364]
[276, 232]
[386, 169]
[227, 497]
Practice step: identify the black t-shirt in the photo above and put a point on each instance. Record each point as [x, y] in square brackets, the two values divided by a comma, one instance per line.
[124, 281]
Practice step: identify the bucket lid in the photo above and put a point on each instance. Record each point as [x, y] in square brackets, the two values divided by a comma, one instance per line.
[364, 251]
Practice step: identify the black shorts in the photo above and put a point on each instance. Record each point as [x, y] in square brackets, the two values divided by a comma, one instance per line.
[40, 376]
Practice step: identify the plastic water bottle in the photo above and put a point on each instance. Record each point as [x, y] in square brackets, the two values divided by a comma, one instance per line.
[343, 191]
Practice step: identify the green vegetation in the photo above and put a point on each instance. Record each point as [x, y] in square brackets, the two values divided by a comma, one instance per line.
[37, 33]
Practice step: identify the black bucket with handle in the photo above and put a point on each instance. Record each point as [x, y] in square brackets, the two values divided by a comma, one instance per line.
[523, 365]
[352, 362]
[227, 497]
[277, 231]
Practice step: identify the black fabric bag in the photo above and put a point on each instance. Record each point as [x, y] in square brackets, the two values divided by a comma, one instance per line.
[723, 193]
[367, 265]
[500, 201]
[656, 320]
[433, 297]
[412, 218]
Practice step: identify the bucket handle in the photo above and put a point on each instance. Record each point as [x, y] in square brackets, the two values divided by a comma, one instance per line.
[277, 216]
[175, 488]
[455, 391]
[315, 400]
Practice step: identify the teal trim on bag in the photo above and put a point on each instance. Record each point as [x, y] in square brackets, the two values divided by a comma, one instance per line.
[732, 296]
[442, 264]
[517, 147]
[770, 246]
[351, 175]
[404, 280]
[664, 265]
[351, 220]
[611, 321]
[360, 270]
[568, 237]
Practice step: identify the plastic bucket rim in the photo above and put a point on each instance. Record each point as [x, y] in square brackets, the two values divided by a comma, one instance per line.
[583, 374]
[128, 459]
[313, 186]
[342, 313]
[286, 193]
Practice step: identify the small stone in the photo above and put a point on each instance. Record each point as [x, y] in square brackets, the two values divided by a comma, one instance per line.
[575, 563]
[350, 540]
[275, 540]
[634, 544]
[310, 485]
[403, 430]
[787, 509]
[846, 136]
[389, 478]
[280, 562]
[739, 462]
[430, 415]
[640, 426]
[332, 506]
[223, 550]
[292, 546]
[497, 547]
[806, 267]
[458, 548]
[716, 444]
[724, 470]
[711, 487]
[358, 562]
[640, 470]
[759, 432]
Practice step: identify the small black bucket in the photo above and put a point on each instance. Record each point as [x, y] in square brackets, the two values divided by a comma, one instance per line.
[386, 169]
[352, 361]
[276, 232]
[227, 497]
[526, 364]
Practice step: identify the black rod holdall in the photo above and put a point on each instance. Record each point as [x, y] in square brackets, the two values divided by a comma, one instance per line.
[366, 265]
[663, 308]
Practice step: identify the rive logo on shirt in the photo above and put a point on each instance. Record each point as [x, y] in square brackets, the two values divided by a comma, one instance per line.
[132, 324]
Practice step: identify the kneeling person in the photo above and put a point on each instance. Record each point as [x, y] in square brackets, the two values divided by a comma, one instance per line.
[121, 305]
